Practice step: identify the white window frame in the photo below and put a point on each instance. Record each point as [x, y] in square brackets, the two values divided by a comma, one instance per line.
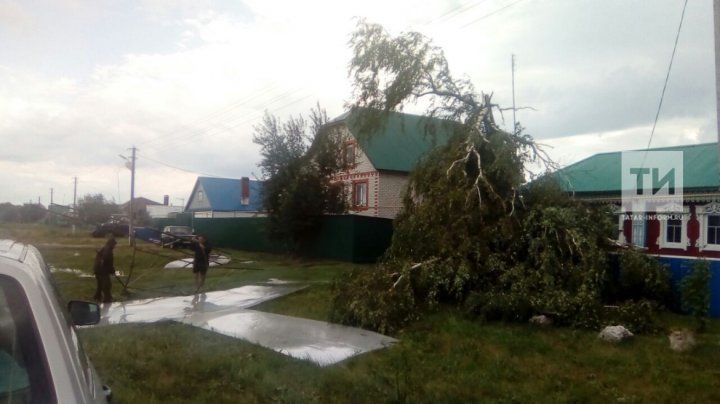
[702, 212]
[621, 227]
[684, 240]
[201, 196]
[644, 233]
[364, 195]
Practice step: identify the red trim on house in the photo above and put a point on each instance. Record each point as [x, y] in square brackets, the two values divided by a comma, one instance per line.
[353, 176]
[367, 194]
[653, 234]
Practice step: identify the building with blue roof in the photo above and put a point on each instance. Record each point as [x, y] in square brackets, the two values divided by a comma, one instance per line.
[226, 197]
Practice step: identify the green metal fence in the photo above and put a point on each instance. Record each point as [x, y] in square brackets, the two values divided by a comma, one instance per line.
[341, 237]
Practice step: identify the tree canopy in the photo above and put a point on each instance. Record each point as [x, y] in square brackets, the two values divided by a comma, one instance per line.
[298, 164]
[95, 208]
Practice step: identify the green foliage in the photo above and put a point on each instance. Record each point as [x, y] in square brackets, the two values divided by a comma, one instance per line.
[9, 212]
[695, 291]
[94, 209]
[298, 165]
[638, 316]
[370, 298]
[32, 213]
[642, 277]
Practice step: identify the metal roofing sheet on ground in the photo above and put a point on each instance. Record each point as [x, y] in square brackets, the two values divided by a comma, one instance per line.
[226, 312]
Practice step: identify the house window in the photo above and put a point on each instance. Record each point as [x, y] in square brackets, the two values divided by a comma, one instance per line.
[673, 229]
[713, 229]
[201, 196]
[349, 155]
[638, 233]
[709, 218]
[360, 194]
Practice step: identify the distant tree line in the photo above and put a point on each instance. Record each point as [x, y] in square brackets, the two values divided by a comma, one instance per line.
[91, 209]
[26, 213]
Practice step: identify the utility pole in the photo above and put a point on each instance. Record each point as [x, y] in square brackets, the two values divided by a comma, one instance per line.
[716, 21]
[132, 196]
[51, 196]
[512, 61]
[75, 193]
[74, 205]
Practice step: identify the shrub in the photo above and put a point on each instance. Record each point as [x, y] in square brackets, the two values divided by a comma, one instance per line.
[695, 292]
[374, 299]
[642, 277]
[639, 316]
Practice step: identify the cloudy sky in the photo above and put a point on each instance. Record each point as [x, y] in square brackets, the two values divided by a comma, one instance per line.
[185, 80]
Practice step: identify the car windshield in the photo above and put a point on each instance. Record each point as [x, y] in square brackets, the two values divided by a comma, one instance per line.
[180, 230]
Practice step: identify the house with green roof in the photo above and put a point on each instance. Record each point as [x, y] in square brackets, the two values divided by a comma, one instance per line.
[377, 164]
[677, 237]
[693, 229]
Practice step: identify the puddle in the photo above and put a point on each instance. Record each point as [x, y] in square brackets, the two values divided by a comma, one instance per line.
[72, 271]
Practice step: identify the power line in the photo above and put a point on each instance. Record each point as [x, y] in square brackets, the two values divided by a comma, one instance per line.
[475, 21]
[211, 131]
[667, 78]
[179, 168]
[216, 131]
[454, 12]
[222, 111]
[208, 174]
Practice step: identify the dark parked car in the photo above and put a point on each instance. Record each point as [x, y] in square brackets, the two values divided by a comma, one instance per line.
[177, 236]
[114, 228]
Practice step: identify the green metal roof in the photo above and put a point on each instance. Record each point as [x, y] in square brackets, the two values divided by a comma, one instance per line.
[400, 143]
[601, 173]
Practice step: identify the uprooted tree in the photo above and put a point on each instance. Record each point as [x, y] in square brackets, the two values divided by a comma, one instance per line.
[298, 166]
[471, 233]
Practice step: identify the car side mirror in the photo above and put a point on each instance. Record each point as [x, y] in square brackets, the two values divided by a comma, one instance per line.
[84, 313]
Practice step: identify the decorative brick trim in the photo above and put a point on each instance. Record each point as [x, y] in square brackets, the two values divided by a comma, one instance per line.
[354, 176]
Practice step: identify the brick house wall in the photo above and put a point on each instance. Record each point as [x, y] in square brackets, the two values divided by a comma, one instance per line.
[361, 171]
[385, 188]
[392, 185]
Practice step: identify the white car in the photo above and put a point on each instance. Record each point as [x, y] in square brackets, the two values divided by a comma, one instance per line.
[41, 359]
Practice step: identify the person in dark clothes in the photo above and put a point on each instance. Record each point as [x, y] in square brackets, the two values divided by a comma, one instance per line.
[201, 262]
[104, 267]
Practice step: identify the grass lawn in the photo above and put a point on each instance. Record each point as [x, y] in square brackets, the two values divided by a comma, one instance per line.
[446, 357]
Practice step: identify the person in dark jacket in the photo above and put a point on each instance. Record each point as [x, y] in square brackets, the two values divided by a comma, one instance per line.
[201, 262]
[104, 267]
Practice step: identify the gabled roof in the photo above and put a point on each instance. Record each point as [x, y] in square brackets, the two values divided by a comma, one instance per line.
[600, 174]
[400, 143]
[223, 194]
[140, 201]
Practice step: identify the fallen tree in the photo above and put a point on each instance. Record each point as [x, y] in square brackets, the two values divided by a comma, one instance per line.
[472, 232]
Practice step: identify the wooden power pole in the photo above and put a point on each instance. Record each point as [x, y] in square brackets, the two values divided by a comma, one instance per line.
[132, 196]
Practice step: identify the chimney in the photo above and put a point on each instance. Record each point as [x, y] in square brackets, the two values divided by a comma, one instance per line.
[245, 190]
[166, 200]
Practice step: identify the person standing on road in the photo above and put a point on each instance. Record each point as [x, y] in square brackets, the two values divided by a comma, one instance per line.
[104, 267]
[201, 262]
